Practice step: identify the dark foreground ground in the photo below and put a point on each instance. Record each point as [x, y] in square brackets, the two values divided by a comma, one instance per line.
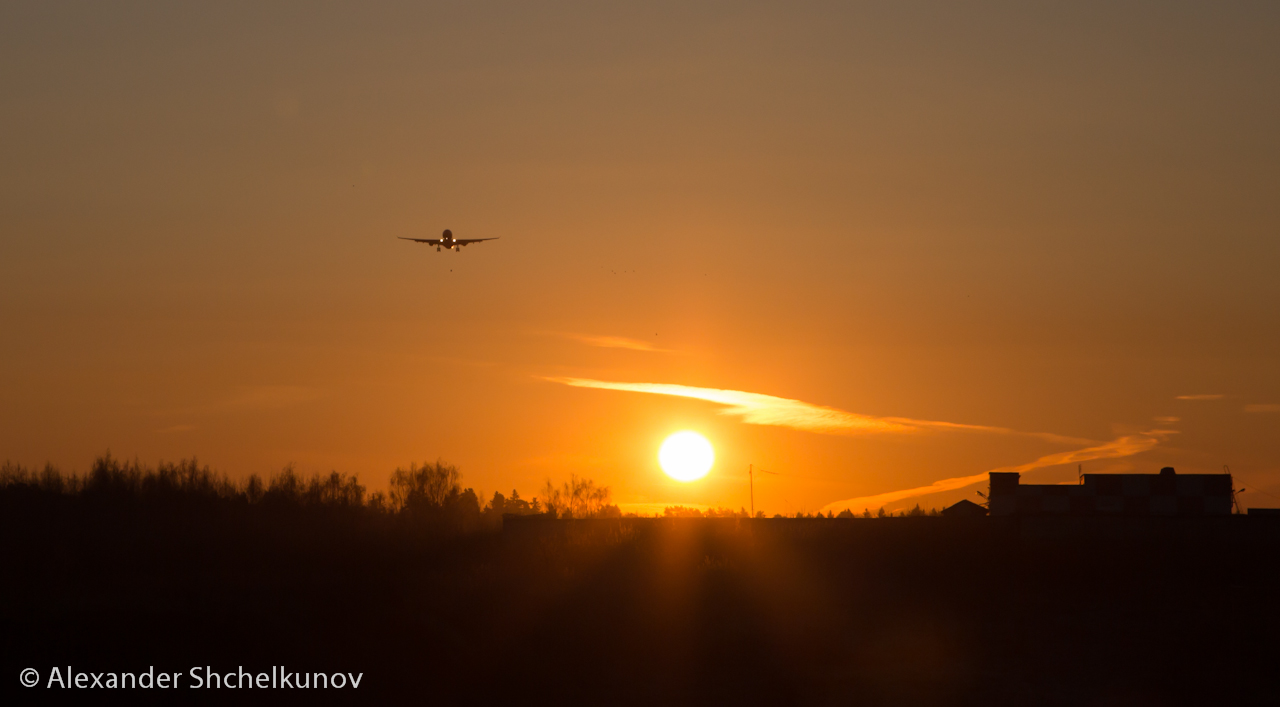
[884, 611]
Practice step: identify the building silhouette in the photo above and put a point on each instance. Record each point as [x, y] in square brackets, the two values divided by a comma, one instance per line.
[1164, 494]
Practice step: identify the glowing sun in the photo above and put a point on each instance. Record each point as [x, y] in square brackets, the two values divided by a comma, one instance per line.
[686, 456]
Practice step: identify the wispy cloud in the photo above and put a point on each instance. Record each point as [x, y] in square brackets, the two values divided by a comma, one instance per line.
[1208, 396]
[1123, 447]
[760, 409]
[1265, 407]
[1168, 418]
[616, 342]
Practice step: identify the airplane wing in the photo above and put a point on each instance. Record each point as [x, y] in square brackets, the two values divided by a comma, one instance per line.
[431, 241]
[475, 240]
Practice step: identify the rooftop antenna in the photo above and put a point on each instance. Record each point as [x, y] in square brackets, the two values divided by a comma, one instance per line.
[1080, 473]
[1235, 500]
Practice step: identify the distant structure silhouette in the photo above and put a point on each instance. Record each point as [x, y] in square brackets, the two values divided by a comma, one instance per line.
[1165, 494]
[964, 509]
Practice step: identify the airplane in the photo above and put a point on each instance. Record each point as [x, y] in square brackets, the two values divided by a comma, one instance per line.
[447, 241]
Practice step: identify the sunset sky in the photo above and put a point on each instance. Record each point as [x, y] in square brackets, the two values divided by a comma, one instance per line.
[877, 249]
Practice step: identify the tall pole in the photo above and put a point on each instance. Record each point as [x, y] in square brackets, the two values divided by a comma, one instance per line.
[751, 474]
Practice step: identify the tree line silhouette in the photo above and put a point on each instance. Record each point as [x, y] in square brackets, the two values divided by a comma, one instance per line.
[429, 494]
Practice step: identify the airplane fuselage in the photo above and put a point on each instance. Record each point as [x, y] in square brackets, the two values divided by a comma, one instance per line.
[446, 240]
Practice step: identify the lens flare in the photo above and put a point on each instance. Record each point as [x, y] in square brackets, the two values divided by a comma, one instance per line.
[686, 456]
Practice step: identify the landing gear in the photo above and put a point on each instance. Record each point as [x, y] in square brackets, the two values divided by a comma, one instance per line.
[437, 249]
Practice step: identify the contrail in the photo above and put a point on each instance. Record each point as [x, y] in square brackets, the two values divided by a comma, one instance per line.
[760, 409]
[1122, 447]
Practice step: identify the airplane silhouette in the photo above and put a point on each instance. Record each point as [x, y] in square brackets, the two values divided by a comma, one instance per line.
[447, 241]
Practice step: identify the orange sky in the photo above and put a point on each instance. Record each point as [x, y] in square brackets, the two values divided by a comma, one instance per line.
[1053, 223]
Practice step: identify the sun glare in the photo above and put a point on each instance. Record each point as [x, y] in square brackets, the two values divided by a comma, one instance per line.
[686, 456]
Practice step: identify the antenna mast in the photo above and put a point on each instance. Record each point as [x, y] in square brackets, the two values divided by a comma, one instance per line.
[1235, 498]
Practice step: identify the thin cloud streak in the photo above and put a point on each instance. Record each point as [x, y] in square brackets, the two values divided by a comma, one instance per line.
[1211, 396]
[1123, 447]
[616, 342]
[760, 409]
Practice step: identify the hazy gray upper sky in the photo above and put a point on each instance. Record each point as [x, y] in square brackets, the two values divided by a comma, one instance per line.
[1052, 218]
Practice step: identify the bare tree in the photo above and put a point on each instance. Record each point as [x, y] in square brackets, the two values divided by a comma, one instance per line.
[427, 486]
[576, 498]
